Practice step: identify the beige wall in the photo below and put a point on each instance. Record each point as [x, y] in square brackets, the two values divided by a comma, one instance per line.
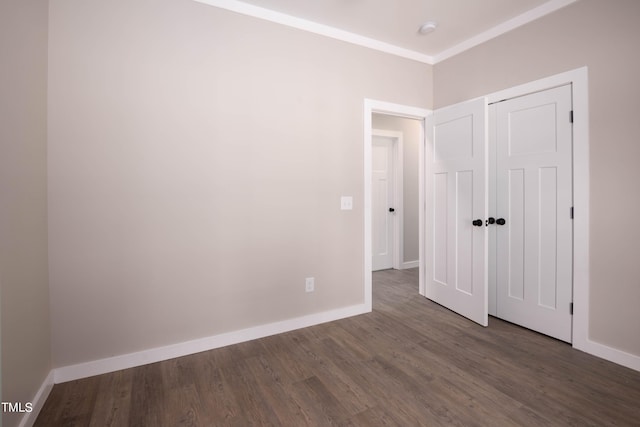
[26, 356]
[411, 134]
[196, 163]
[605, 37]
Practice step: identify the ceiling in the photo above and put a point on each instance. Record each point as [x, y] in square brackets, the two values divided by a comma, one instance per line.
[393, 24]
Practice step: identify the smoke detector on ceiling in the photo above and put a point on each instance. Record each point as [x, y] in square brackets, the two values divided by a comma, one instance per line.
[427, 27]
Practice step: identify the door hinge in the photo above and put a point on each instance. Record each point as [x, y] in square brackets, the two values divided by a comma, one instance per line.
[571, 212]
[571, 308]
[571, 116]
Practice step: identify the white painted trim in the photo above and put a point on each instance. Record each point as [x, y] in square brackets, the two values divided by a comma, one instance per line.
[368, 219]
[398, 192]
[372, 106]
[576, 77]
[581, 296]
[359, 40]
[410, 264]
[422, 204]
[520, 20]
[125, 361]
[316, 28]
[611, 354]
[29, 418]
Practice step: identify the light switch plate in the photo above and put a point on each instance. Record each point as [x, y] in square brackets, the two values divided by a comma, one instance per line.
[346, 203]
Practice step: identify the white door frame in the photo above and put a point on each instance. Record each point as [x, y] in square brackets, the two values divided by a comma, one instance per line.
[398, 191]
[372, 106]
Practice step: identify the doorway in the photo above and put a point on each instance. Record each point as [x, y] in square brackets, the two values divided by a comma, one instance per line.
[386, 109]
[395, 191]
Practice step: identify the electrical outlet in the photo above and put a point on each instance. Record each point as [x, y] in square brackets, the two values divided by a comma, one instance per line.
[346, 203]
[309, 284]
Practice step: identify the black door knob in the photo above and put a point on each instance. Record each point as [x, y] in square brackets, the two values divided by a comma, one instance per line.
[391, 210]
[490, 221]
[477, 222]
[501, 221]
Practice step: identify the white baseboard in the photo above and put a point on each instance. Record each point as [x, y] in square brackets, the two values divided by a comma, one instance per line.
[29, 418]
[410, 264]
[125, 361]
[611, 354]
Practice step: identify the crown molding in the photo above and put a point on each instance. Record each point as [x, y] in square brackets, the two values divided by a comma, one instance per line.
[359, 40]
[321, 29]
[520, 20]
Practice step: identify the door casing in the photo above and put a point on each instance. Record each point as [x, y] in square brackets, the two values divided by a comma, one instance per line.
[373, 106]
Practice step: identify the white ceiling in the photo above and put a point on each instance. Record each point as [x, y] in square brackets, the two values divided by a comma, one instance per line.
[393, 24]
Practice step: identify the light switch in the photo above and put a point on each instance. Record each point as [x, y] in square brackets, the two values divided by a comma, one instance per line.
[346, 203]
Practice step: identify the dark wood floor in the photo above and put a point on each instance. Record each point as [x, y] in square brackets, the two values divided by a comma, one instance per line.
[408, 363]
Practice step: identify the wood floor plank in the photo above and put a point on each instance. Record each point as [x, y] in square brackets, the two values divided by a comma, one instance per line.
[525, 387]
[318, 400]
[254, 409]
[278, 391]
[409, 362]
[218, 402]
[147, 397]
[77, 403]
[493, 405]
[353, 397]
[373, 417]
[51, 411]
[283, 352]
[113, 400]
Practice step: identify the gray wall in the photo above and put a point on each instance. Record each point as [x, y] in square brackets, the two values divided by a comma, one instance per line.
[26, 356]
[411, 134]
[196, 163]
[604, 36]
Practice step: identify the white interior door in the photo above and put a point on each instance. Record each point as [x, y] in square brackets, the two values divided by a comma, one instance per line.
[456, 195]
[534, 198]
[382, 199]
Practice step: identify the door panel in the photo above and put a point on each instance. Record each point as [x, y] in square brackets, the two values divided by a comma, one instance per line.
[516, 259]
[464, 232]
[456, 188]
[534, 196]
[382, 200]
[440, 232]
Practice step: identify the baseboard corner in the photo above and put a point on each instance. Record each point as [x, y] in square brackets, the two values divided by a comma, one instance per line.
[38, 401]
[410, 264]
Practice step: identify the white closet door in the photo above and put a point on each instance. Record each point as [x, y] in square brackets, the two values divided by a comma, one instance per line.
[534, 198]
[456, 191]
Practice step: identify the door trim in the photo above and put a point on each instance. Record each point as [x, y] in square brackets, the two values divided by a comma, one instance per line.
[398, 171]
[578, 78]
[373, 106]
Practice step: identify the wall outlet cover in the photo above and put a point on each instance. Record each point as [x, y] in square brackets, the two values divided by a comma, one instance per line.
[309, 284]
[346, 203]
